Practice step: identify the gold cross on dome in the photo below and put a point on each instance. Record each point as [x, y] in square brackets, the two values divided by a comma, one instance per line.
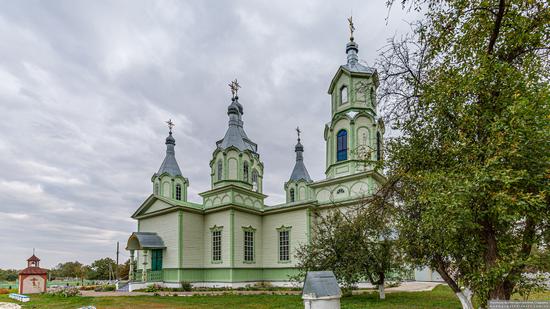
[170, 124]
[351, 26]
[298, 131]
[234, 86]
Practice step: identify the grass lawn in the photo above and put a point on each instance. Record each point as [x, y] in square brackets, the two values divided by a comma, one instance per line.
[440, 297]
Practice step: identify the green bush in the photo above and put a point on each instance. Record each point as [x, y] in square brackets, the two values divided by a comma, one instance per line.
[154, 288]
[186, 286]
[109, 288]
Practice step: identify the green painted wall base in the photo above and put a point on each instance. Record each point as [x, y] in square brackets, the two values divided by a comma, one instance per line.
[228, 274]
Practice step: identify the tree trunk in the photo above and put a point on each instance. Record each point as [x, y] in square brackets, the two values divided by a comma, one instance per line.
[502, 291]
[465, 298]
[381, 292]
[381, 281]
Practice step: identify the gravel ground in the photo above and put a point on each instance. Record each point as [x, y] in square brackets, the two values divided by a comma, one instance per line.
[9, 306]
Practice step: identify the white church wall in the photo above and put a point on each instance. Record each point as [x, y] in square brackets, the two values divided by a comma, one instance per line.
[193, 240]
[166, 226]
[243, 219]
[270, 241]
[361, 92]
[335, 193]
[166, 189]
[365, 123]
[232, 168]
[218, 219]
[158, 205]
[343, 80]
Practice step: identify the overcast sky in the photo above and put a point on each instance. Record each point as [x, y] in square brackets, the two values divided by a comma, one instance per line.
[85, 88]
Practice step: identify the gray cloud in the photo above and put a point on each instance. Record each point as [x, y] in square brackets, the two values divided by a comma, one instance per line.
[86, 85]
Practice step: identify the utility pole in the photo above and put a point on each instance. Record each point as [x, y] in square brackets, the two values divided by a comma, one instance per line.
[117, 253]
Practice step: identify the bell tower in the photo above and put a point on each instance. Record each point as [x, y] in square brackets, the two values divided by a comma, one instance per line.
[354, 133]
[236, 169]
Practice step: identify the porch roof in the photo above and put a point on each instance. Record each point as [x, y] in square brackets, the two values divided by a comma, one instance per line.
[144, 241]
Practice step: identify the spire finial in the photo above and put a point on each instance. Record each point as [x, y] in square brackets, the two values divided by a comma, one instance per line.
[351, 27]
[32, 251]
[170, 125]
[234, 86]
[298, 131]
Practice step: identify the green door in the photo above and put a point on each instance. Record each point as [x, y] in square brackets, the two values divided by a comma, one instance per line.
[156, 259]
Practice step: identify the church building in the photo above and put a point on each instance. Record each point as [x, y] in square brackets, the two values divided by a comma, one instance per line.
[233, 238]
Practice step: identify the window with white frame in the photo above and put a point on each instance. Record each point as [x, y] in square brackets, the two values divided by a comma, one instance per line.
[178, 192]
[245, 171]
[248, 245]
[255, 181]
[216, 244]
[284, 244]
[344, 95]
[220, 170]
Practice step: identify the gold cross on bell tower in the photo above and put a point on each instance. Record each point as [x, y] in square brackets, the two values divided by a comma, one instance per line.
[298, 131]
[234, 86]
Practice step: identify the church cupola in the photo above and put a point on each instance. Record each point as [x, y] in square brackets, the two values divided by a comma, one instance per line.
[169, 182]
[236, 160]
[297, 186]
[353, 132]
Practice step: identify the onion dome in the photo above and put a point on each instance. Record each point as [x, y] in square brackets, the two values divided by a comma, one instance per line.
[170, 165]
[300, 171]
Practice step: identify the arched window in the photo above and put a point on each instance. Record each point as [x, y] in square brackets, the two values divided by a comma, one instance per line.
[344, 95]
[372, 98]
[220, 170]
[157, 188]
[178, 192]
[255, 181]
[292, 195]
[342, 145]
[378, 146]
[245, 171]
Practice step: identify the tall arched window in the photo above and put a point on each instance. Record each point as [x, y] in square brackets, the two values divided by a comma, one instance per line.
[378, 146]
[255, 180]
[344, 95]
[220, 170]
[342, 145]
[157, 188]
[245, 171]
[178, 192]
[292, 195]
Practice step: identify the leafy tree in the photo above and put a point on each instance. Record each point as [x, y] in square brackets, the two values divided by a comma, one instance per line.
[468, 91]
[8, 275]
[356, 243]
[103, 269]
[67, 270]
[124, 270]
